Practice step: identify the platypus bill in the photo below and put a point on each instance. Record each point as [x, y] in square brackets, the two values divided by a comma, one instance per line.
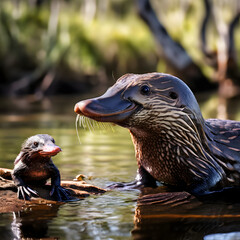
[173, 143]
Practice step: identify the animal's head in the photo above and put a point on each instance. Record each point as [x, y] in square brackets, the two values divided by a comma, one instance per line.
[38, 146]
[144, 102]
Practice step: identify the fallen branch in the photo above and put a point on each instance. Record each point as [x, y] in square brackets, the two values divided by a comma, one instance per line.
[8, 192]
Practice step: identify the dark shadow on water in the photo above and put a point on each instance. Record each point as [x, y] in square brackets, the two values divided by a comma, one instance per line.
[181, 216]
[33, 223]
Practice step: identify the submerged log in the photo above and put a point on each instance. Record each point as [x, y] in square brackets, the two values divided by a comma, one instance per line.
[10, 202]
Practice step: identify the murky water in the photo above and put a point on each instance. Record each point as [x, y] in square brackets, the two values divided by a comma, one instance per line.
[107, 156]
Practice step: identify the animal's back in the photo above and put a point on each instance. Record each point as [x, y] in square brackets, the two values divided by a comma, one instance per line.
[224, 142]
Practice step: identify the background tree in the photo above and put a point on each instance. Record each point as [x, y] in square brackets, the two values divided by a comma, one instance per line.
[51, 47]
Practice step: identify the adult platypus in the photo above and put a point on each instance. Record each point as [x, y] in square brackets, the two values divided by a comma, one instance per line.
[33, 167]
[173, 143]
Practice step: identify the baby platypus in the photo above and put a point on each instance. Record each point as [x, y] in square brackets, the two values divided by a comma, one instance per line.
[173, 143]
[33, 167]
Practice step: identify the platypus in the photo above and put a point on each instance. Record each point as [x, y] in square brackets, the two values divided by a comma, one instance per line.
[33, 167]
[174, 144]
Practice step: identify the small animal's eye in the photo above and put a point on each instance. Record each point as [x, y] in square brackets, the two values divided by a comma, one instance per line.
[145, 90]
[35, 144]
[173, 95]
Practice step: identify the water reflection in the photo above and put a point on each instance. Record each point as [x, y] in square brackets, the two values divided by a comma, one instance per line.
[109, 216]
[33, 222]
[191, 219]
[223, 236]
[106, 156]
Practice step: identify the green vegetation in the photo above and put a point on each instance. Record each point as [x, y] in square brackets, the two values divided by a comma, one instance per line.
[92, 44]
[34, 37]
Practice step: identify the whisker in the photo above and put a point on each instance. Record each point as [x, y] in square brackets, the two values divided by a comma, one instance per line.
[76, 124]
[80, 121]
[91, 125]
[102, 125]
[84, 125]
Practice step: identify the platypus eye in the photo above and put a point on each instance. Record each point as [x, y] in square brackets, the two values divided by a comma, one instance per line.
[35, 144]
[173, 95]
[145, 90]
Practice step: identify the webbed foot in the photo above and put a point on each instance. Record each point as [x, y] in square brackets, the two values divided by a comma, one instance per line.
[25, 192]
[143, 179]
[126, 186]
[61, 194]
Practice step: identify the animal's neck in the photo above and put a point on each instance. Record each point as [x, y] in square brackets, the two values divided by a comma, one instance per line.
[172, 155]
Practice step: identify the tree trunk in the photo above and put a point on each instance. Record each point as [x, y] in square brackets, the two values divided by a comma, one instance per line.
[174, 54]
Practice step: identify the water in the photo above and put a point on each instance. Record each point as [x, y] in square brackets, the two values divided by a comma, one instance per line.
[107, 156]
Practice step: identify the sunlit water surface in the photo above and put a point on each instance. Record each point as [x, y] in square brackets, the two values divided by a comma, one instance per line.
[107, 156]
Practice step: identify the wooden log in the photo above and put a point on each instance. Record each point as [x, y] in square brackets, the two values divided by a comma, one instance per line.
[10, 203]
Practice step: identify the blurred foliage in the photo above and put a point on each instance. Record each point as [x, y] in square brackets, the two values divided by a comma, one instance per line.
[114, 41]
[183, 19]
[99, 38]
